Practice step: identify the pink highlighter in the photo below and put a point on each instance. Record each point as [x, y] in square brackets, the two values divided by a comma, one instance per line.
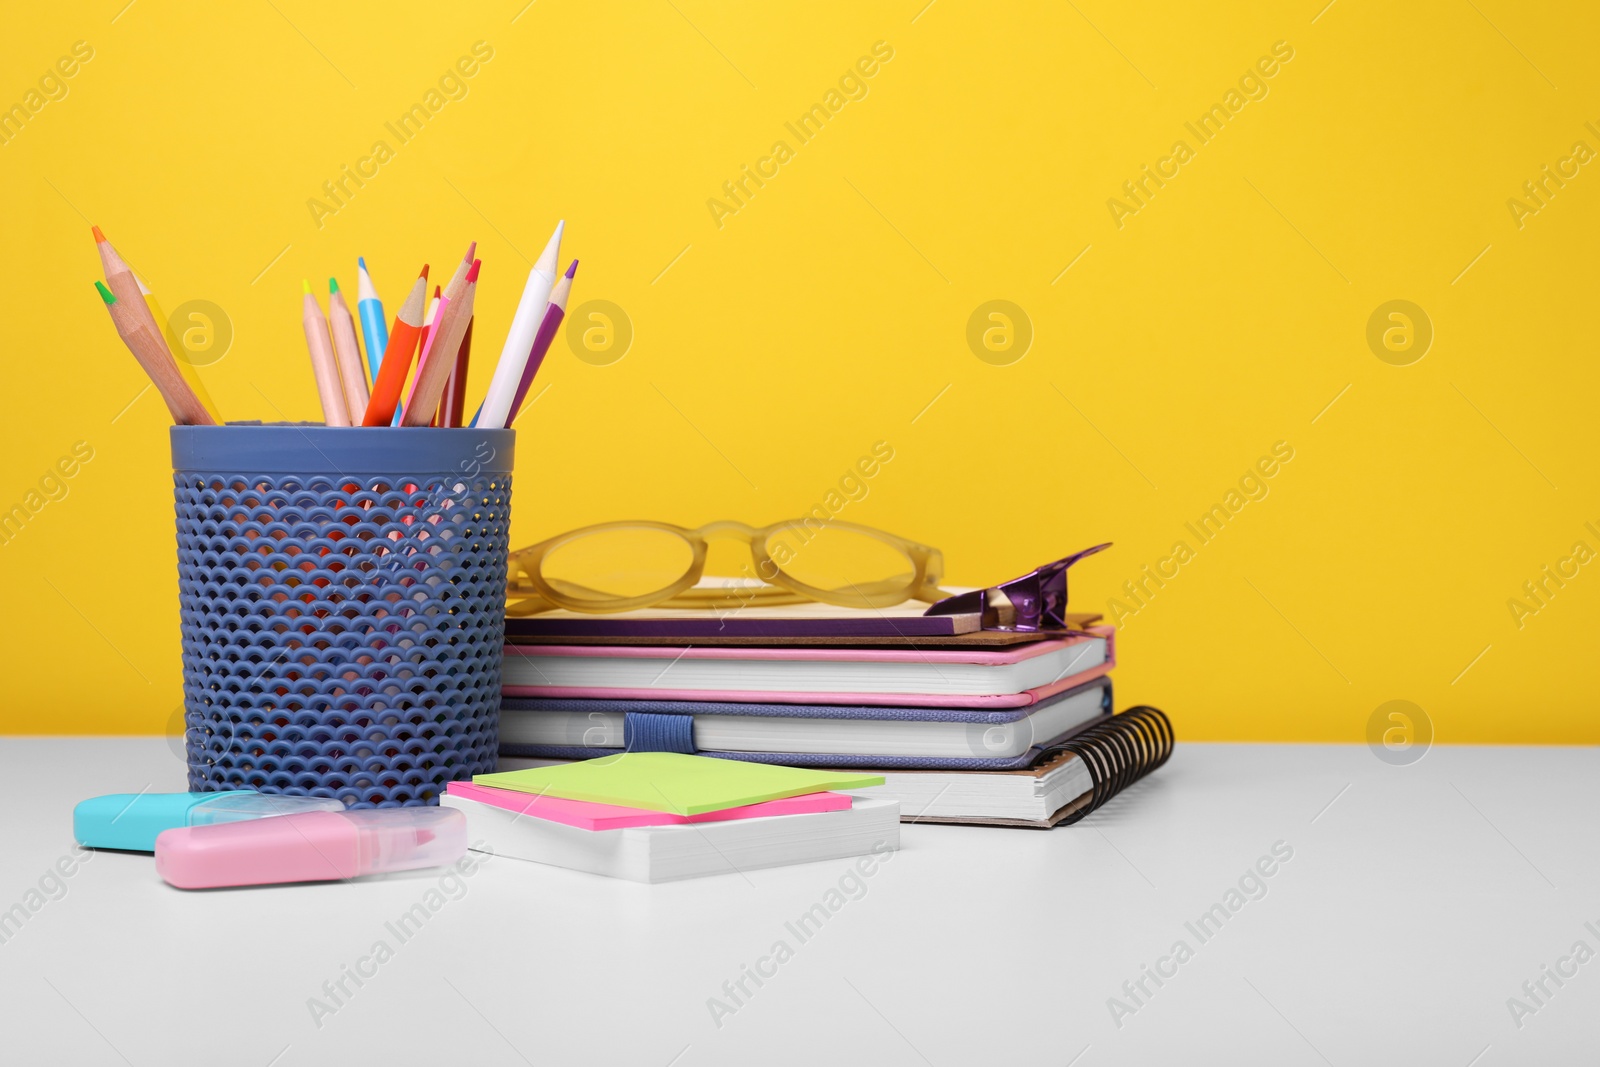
[318, 846]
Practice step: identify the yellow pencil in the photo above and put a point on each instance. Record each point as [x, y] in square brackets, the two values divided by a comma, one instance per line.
[127, 316]
[190, 372]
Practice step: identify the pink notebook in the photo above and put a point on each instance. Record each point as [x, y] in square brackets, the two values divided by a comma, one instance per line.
[586, 815]
[543, 663]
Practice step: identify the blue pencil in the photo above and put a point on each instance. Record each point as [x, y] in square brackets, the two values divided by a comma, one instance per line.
[374, 330]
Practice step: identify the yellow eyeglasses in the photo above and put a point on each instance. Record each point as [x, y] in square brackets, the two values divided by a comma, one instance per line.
[621, 566]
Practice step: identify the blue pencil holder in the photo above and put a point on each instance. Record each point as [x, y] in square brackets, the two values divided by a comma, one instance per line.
[342, 596]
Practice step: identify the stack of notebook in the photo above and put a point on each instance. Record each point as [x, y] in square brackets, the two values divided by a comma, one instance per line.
[660, 816]
[965, 724]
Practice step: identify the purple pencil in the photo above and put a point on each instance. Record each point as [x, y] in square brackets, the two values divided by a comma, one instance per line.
[554, 312]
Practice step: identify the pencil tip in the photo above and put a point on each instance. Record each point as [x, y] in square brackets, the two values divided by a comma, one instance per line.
[472, 275]
[572, 269]
[361, 261]
[99, 238]
[472, 250]
[105, 294]
[333, 286]
[306, 285]
[424, 274]
[549, 259]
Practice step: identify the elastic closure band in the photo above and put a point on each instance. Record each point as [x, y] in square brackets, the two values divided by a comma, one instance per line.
[653, 732]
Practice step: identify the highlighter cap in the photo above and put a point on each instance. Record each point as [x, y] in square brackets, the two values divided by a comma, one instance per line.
[237, 806]
[132, 821]
[314, 847]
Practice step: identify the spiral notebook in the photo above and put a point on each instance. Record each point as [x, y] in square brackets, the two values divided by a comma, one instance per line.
[1067, 779]
[1070, 778]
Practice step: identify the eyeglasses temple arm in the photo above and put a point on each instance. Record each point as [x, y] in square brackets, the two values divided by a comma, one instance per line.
[1035, 601]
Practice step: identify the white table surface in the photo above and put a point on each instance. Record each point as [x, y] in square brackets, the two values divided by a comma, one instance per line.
[1418, 900]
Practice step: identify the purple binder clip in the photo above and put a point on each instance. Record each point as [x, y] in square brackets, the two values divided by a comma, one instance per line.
[1035, 601]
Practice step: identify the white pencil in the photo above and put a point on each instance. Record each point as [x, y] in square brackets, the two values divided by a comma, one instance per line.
[519, 341]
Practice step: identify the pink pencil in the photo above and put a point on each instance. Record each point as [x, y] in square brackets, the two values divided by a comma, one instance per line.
[447, 334]
[554, 312]
[444, 302]
[323, 364]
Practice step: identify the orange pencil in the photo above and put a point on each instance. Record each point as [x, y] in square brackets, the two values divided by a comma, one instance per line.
[403, 337]
[152, 355]
[447, 336]
[452, 406]
[323, 365]
[123, 284]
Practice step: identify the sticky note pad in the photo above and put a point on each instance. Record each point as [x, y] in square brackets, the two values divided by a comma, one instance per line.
[673, 782]
[587, 815]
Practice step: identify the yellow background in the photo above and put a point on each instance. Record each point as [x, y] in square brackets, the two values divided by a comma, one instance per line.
[828, 312]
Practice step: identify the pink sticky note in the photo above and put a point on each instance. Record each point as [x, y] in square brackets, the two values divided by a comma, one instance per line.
[590, 816]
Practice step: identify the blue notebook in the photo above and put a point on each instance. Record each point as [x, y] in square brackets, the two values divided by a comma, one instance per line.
[802, 735]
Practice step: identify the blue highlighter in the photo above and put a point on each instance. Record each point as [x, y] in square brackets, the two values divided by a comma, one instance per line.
[131, 821]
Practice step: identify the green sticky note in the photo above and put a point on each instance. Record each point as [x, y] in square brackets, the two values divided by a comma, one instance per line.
[673, 782]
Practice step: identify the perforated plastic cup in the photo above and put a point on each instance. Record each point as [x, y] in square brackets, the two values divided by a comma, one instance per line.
[342, 595]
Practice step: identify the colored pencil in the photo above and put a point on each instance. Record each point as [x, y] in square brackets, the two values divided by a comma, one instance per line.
[412, 373]
[151, 353]
[347, 351]
[125, 287]
[428, 321]
[180, 353]
[454, 285]
[428, 325]
[323, 365]
[554, 313]
[403, 337]
[122, 283]
[496, 409]
[455, 311]
[374, 331]
[453, 405]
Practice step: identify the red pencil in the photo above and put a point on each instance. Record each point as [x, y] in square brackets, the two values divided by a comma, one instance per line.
[403, 337]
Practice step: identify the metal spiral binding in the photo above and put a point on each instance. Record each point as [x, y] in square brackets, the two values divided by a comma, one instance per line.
[1118, 751]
